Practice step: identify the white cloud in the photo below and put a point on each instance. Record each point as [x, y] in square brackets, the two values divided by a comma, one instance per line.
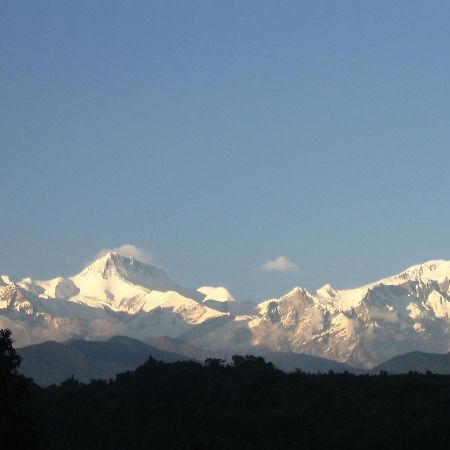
[280, 264]
[129, 250]
[60, 329]
[24, 333]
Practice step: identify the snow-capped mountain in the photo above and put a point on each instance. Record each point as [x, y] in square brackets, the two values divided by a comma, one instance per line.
[113, 294]
[363, 326]
[121, 295]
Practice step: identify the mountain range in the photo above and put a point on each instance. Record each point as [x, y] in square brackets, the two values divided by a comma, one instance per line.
[119, 295]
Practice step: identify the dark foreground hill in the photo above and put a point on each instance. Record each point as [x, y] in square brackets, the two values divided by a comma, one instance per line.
[53, 362]
[245, 405]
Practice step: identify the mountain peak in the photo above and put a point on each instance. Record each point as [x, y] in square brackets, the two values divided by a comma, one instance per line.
[434, 270]
[115, 266]
[327, 290]
[297, 291]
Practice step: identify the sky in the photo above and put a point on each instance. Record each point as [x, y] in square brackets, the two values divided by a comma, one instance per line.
[259, 145]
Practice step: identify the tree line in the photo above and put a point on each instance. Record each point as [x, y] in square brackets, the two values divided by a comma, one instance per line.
[244, 404]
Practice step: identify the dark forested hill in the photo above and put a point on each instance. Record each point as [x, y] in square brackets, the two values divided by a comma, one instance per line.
[245, 405]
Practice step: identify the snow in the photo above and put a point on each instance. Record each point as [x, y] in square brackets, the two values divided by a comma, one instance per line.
[5, 280]
[326, 291]
[439, 305]
[436, 270]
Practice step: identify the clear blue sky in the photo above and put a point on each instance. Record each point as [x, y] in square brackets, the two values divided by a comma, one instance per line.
[218, 135]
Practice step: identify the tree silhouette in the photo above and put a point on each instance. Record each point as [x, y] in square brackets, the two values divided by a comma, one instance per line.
[16, 431]
[9, 359]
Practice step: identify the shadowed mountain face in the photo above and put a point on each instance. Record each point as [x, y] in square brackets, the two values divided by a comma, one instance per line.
[53, 362]
[289, 362]
[181, 347]
[417, 362]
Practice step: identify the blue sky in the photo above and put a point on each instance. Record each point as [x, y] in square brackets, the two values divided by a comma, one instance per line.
[220, 135]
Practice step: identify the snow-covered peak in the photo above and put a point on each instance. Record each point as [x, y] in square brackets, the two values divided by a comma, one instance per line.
[436, 270]
[297, 292]
[327, 291]
[107, 265]
[113, 265]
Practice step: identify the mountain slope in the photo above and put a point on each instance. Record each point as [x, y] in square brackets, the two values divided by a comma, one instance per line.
[53, 362]
[417, 362]
[289, 362]
[181, 347]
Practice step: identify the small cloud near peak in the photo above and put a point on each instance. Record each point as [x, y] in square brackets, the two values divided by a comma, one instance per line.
[280, 264]
[129, 250]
